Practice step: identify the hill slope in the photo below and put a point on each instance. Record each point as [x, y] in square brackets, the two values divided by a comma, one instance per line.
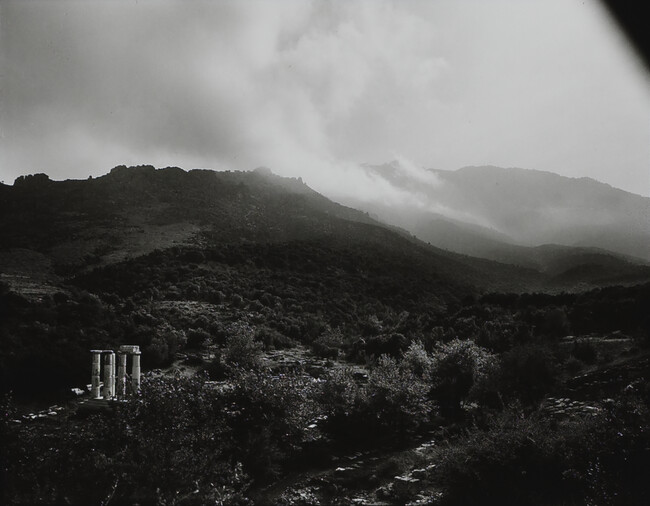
[518, 206]
[75, 226]
[154, 257]
[70, 227]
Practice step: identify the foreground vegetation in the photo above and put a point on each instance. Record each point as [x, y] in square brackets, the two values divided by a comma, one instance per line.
[187, 440]
[410, 374]
[468, 375]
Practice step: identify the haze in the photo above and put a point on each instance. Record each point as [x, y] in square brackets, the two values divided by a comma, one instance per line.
[316, 88]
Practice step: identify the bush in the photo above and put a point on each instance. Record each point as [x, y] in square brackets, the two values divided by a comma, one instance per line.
[585, 352]
[573, 365]
[528, 373]
[515, 461]
[457, 367]
[171, 444]
[197, 338]
[393, 344]
[272, 339]
[397, 399]
[345, 404]
[394, 400]
[270, 419]
[601, 459]
[329, 344]
[241, 348]
[166, 341]
[417, 361]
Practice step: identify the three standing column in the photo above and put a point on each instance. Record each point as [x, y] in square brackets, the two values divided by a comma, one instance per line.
[115, 387]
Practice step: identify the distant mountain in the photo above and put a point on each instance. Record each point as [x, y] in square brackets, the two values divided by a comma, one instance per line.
[55, 231]
[476, 210]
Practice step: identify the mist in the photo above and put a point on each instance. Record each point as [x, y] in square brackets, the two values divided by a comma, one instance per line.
[316, 89]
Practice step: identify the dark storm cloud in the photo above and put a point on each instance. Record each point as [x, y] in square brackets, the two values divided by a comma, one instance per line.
[312, 88]
[126, 78]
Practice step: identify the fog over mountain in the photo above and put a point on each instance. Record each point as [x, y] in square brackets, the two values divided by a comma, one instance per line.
[480, 210]
[315, 88]
[52, 229]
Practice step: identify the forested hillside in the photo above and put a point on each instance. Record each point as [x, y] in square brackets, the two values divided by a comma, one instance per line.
[295, 351]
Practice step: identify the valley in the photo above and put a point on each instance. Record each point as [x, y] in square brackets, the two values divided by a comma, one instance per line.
[298, 351]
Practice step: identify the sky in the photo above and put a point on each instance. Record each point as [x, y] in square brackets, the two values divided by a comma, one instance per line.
[315, 88]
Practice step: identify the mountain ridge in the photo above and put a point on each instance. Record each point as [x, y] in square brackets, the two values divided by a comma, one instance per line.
[82, 225]
[524, 207]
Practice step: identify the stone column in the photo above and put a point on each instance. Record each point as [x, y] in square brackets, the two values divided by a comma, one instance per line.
[121, 375]
[135, 372]
[96, 378]
[109, 375]
[113, 375]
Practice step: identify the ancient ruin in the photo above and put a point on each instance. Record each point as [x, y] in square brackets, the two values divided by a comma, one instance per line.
[115, 387]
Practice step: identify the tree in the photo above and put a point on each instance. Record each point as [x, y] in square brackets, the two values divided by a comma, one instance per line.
[457, 367]
[397, 397]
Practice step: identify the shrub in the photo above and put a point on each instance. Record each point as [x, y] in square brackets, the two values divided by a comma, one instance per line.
[417, 360]
[394, 400]
[164, 344]
[270, 419]
[600, 459]
[397, 399]
[170, 445]
[515, 461]
[574, 365]
[528, 372]
[329, 344]
[584, 351]
[554, 322]
[178, 432]
[241, 348]
[345, 404]
[197, 338]
[272, 339]
[457, 366]
[157, 352]
[237, 301]
[392, 344]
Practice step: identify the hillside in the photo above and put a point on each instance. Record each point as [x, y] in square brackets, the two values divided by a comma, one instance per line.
[69, 227]
[599, 267]
[297, 351]
[82, 260]
[73, 226]
[85, 258]
[515, 206]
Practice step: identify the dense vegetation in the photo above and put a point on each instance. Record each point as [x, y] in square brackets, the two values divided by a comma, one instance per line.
[189, 441]
[162, 301]
[414, 344]
[453, 364]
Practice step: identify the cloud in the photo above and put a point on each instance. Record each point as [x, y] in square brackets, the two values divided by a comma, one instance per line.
[311, 88]
[415, 172]
[234, 84]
